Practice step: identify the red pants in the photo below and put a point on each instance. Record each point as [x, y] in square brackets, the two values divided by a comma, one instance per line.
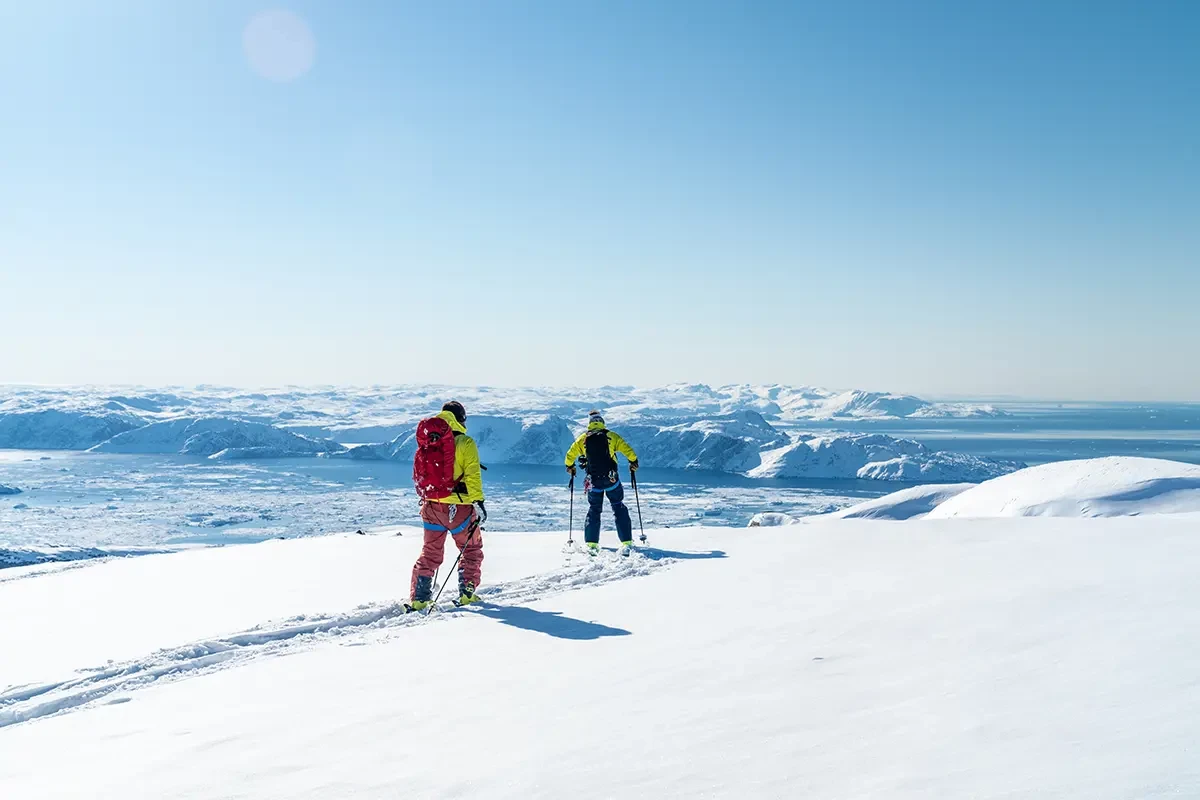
[460, 525]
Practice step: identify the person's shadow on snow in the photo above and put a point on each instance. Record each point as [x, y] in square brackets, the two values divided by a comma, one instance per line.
[551, 623]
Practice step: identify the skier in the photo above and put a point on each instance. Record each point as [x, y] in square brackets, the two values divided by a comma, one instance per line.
[596, 450]
[450, 487]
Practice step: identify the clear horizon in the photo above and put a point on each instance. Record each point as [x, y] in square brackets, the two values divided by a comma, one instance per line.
[942, 199]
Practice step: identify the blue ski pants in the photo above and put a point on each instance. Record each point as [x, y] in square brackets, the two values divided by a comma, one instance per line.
[616, 498]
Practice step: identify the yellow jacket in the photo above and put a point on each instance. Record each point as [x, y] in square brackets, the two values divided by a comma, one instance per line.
[615, 445]
[466, 464]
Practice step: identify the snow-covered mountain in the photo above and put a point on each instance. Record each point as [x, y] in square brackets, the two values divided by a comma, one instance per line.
[742, 442]
[358, 415]
[216, 437]
[683, 426]
[62, 429]
[724, 443]
[874, 456]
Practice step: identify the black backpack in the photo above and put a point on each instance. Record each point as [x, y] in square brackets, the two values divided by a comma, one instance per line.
[601, 466]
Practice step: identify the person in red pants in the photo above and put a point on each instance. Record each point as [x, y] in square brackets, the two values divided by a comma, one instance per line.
[455, 516]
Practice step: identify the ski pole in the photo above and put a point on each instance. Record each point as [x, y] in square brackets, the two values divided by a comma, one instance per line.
[571, 524]
[638, 500]
[470, 535]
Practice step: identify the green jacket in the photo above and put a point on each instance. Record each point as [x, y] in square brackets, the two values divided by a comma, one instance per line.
[615, 445]
[466, 464]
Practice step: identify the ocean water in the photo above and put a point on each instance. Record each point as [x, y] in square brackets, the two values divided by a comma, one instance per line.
[89, 500]
[1038, 433]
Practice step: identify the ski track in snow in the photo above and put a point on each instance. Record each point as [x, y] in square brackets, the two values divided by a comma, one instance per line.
[33, 701]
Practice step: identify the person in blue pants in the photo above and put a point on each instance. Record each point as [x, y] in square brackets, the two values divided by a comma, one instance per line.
[596, 451]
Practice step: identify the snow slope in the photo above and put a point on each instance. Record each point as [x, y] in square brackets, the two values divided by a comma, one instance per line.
[216, 437]
[1097, 487]
[912, 503]
[965, 658]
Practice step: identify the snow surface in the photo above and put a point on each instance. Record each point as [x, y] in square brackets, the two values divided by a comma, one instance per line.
[993, 658]
[1096, 487]
[8, 490]
[911, 503]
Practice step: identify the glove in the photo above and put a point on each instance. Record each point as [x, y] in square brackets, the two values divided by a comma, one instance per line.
[633, 465]
[482, 512]
[571, 469]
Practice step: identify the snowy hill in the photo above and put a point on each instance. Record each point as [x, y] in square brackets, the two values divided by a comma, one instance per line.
[1097, 487]
[216, 437]
[912, 503]
[964, 658]
[875, 457]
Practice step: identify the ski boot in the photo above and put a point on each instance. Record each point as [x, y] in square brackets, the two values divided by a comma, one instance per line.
[626, 549]
[423, 596]
[593, 549]
[466, 594]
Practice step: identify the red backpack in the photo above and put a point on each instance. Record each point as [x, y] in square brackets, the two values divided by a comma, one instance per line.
[433, 464]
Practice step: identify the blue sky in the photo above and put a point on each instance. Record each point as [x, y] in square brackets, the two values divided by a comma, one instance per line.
[946, 198]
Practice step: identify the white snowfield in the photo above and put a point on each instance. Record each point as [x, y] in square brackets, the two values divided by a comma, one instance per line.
[989, 658]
